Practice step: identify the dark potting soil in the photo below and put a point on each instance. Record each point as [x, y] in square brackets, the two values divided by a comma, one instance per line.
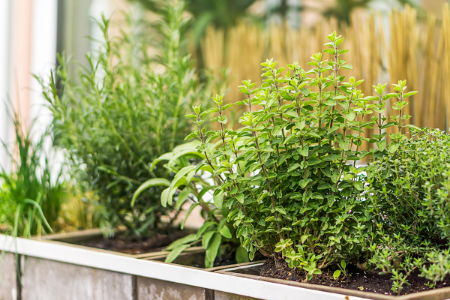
[135, 245]
[226, 259]
[360, 280]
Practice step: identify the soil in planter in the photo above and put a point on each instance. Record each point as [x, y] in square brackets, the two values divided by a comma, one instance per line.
[227, 258]
[359, 280]
[131, 245]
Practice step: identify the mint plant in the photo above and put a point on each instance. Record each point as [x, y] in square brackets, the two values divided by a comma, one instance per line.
[288, 174]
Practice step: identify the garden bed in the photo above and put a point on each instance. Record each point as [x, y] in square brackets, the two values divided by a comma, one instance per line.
[357, 279]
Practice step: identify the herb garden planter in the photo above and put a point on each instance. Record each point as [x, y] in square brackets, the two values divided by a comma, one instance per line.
[252, 272]
[53, 270]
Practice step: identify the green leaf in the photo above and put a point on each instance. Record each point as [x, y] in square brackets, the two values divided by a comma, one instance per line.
[336, 274]
[393, 148]
[317, 196]
[148, 184]
[390, 95]
[225, 231]
[300, 125]
[175, 252]
[185, 240]
[305, 92]
[347, 66]
[330, 102]
[240, 198]
[270, 219]
[190, 136]
[166, 198]
[304, 182]
[182, 198]
[381, 145]
[293, 167]
[291, 113]
[191, 208]
[409, 94]
[335, 177]
[205, 226]
[332, 129]
[358, 185]
[413, 126]
[241, 255]
[303, 151]
[218, 199]
[206, 237]
[343, 264]
[276, 130]
[213, 246]
[280, 210]
[304, 238]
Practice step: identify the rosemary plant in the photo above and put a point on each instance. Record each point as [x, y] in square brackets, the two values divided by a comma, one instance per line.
[125, 110]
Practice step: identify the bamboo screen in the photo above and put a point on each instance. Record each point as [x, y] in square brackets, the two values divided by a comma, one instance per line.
[382, 49]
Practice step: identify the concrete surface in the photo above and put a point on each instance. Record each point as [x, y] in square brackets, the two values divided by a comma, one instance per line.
[8, 280]
[153, 289]
[51, 280]
[218, 295]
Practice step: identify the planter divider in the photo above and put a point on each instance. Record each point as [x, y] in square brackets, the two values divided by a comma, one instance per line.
[249, 271]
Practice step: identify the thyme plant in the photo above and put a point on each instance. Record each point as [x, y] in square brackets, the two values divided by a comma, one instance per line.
[288, 176]
[126, 109]
[409, 199]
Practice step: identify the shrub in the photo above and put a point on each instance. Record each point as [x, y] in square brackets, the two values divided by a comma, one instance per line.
[284, 174]
[192, 183]
[408, 196]
[125, 110]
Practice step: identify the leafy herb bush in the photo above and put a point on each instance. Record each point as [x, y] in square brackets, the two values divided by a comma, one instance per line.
[409, 200]
[216, 235]
[288, 176]
[125, 110]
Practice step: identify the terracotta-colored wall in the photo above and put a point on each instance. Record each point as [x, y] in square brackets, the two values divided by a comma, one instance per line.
[21, 60]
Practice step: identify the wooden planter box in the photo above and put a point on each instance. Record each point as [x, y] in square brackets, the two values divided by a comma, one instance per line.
[54, 270]
[52, 279]
[252, 271]
[8, 277]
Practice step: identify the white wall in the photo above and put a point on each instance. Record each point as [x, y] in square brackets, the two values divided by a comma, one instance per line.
[43, 56]
[5, 73]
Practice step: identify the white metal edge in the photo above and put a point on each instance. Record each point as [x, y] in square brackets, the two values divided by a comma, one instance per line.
[162, 271]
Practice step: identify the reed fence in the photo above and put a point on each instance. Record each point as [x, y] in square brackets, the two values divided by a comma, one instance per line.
[383, 48]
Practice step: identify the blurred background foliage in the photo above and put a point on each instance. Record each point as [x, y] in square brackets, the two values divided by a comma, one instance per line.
[35, 198]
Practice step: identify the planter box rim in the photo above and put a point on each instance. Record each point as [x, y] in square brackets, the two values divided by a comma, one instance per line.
[227, 283]
[431, 294]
